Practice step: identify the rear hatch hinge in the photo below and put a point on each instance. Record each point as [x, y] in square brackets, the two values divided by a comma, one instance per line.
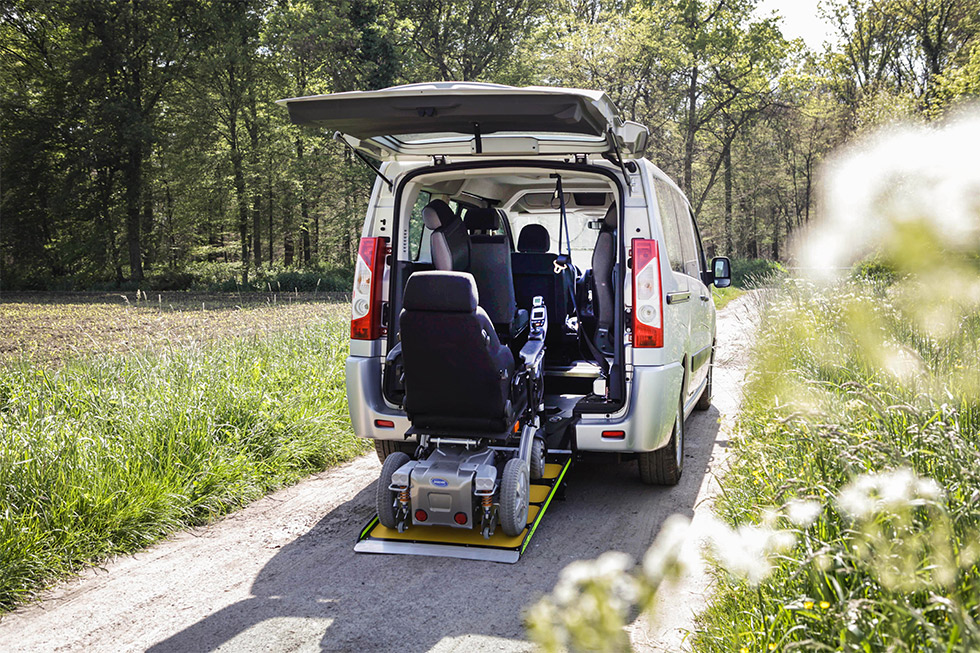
[438, 159]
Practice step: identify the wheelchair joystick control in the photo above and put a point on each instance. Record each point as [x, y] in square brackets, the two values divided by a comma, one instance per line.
[539, 319]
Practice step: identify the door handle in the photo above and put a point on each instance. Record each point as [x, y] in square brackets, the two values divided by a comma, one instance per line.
[704, 298]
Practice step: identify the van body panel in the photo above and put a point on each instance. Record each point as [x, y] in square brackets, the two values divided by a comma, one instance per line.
[649, 419]
[365, 403]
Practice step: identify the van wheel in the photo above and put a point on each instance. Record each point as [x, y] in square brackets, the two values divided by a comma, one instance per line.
[664, 466]
[387, 514]
[704, 401]
[385, 448]
[514, 495]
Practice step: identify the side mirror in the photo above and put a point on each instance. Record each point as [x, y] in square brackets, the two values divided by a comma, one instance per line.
[721, 271]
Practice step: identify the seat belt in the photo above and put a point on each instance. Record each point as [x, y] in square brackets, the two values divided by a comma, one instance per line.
[562, 263]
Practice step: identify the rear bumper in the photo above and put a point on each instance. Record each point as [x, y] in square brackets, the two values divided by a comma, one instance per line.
[646, 422]
[649, 414]
[366, 404]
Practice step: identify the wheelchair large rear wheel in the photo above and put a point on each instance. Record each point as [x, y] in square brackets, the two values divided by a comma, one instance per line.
[514, 496]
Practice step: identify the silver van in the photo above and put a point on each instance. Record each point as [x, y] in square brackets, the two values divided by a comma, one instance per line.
[525, 282]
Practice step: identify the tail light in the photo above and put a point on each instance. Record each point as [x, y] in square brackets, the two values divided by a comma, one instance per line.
[648, 305]
[365, 321]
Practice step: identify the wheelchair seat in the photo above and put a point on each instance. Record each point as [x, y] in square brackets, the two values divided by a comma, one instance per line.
[458, 376]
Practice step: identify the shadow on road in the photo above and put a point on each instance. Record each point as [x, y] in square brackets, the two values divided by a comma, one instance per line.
[379, 602]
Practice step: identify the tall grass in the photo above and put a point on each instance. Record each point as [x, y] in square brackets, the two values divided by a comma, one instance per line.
[852, 407]
[101, 457]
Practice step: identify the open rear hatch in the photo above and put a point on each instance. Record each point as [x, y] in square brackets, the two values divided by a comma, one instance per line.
[470, 119]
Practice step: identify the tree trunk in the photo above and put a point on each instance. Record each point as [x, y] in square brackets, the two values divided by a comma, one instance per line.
[149, 246]
[272, 250]
[241, 198]
[304, 204]
[775, 235]
[253, 132]
[727, 163]
[288, 251]
[133, 176]
[690, 132]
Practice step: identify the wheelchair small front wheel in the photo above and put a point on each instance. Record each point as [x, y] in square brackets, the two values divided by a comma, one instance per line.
[537, 459]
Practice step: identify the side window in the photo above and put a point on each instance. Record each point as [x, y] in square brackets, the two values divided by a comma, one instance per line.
[668, 218]
[701, 259]
[416, 228]
[689, 241]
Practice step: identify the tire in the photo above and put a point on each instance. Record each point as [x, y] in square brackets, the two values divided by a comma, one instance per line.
[385, 497]
[514, 493]
[664, 466]
[537, 459]
[385, 448]
[704, 401]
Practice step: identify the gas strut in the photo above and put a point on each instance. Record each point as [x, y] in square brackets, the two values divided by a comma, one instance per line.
[337, 136]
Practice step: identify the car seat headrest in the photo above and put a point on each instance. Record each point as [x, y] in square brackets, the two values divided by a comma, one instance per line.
[441, 292]
[611, 215]
[534, 238]
[438, 214]
[479, 219]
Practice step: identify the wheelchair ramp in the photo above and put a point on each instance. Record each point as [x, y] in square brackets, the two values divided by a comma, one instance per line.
[446, 542]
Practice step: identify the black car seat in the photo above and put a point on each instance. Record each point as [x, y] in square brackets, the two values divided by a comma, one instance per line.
[450, 243]
[490, 265]
[603, 260]
[457, 373]
[534, 274]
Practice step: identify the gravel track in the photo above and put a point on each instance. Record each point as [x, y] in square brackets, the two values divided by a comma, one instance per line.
[281, 574]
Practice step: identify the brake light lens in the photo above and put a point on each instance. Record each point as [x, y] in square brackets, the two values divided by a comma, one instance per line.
[365, 321]
[648, 306]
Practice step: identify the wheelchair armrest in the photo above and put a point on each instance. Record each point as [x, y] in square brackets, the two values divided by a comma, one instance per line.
[532, 354]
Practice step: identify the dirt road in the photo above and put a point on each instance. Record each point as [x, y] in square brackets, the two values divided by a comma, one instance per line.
[281, 575]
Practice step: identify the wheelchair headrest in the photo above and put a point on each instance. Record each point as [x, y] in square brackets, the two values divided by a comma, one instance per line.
[441, 292]
[611, 215]
[533, 238]
[482, 220]
[438, 214]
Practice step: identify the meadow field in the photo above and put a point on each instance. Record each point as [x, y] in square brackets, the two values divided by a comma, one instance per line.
[122, 420]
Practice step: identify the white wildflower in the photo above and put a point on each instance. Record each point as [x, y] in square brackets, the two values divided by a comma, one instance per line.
[803, 513]
[746, 552]
[670, 554]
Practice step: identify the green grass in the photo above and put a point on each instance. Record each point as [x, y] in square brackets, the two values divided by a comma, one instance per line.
[848, 381]
[103, 456]
[724, 296]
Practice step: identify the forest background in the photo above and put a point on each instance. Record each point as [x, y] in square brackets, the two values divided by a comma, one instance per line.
[141, 146]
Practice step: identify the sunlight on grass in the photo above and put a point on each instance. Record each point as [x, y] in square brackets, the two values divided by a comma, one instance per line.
[105, 455]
